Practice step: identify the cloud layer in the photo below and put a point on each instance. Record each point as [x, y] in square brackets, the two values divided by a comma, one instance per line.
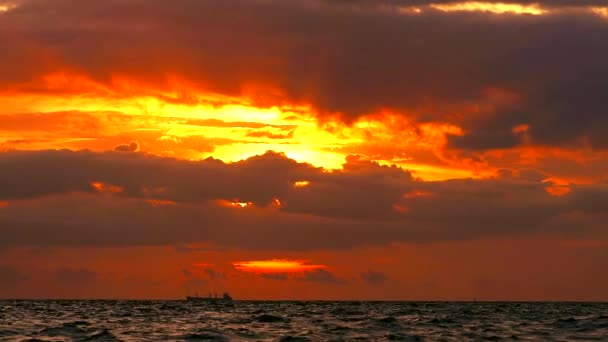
[113, 199]
[487, 73]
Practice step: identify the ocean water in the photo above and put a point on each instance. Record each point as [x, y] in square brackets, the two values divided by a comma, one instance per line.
[300, 321]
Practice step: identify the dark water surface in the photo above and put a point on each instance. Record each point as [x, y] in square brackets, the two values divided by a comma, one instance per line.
[300, 321]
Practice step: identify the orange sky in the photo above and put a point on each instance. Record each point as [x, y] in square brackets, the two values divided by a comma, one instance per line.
[432, 150]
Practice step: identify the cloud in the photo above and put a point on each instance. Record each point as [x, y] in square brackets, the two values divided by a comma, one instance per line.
[270, 135]
[364, 204]
[320, 276]
[184, 248]
[550, 4]
[432, 66]
[133, 146]
[374, 277]
[213, 274]
[193, 284]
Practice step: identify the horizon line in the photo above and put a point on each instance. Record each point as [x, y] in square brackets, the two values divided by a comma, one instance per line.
[316, 300]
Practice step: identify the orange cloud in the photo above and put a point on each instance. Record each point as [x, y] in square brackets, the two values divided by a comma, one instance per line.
[160, 203]
[234, 204]
[301, 184]
[558, 190]
[601, 11]
[275, 266]
[418, 193]
[492, 7]
[106, 188]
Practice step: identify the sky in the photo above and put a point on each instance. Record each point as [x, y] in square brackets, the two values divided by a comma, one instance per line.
[304, 149]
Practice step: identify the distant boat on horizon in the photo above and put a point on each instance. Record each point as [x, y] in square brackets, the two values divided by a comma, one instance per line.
[224, 298]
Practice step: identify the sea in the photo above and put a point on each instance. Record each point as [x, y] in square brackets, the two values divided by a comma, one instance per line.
[107, 320]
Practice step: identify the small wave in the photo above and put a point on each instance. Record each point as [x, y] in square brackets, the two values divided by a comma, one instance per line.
[4, 333]
[266, 318]
[67, 329]
[389, 320]
[308, 321]
[77, 323]
[565, 322]
[401, 337]
[440, 320]
[205, 336]
[346, 312]
[103, 335]
[337, 328]
[289, 338]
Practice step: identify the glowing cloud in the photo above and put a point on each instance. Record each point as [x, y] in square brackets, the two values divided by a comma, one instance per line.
[106, 188]
[497, 8]
[234, 204]
[160, 203]
[276, 266]
[301, 184]
[241, 204]
[523, 128]
[410, 10]
[418, 194]
[558, 190]
[601, 11]
[5, 7]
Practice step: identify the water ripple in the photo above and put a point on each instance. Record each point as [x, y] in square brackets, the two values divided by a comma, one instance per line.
[300, 321]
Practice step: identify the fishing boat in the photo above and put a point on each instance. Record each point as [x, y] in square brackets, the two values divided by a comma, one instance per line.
[224, 298]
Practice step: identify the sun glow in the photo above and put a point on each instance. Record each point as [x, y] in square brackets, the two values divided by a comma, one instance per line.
[275, 265]
[75, 112]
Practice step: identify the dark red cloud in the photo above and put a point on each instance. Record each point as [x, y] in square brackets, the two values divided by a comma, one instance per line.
[51, 203]
[133, 146]
[321, 276]
[374, 277]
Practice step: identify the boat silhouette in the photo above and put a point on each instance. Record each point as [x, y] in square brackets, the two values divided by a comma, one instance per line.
[224, 298]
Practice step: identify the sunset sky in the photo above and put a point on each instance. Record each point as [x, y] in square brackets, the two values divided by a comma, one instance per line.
[304, 149]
